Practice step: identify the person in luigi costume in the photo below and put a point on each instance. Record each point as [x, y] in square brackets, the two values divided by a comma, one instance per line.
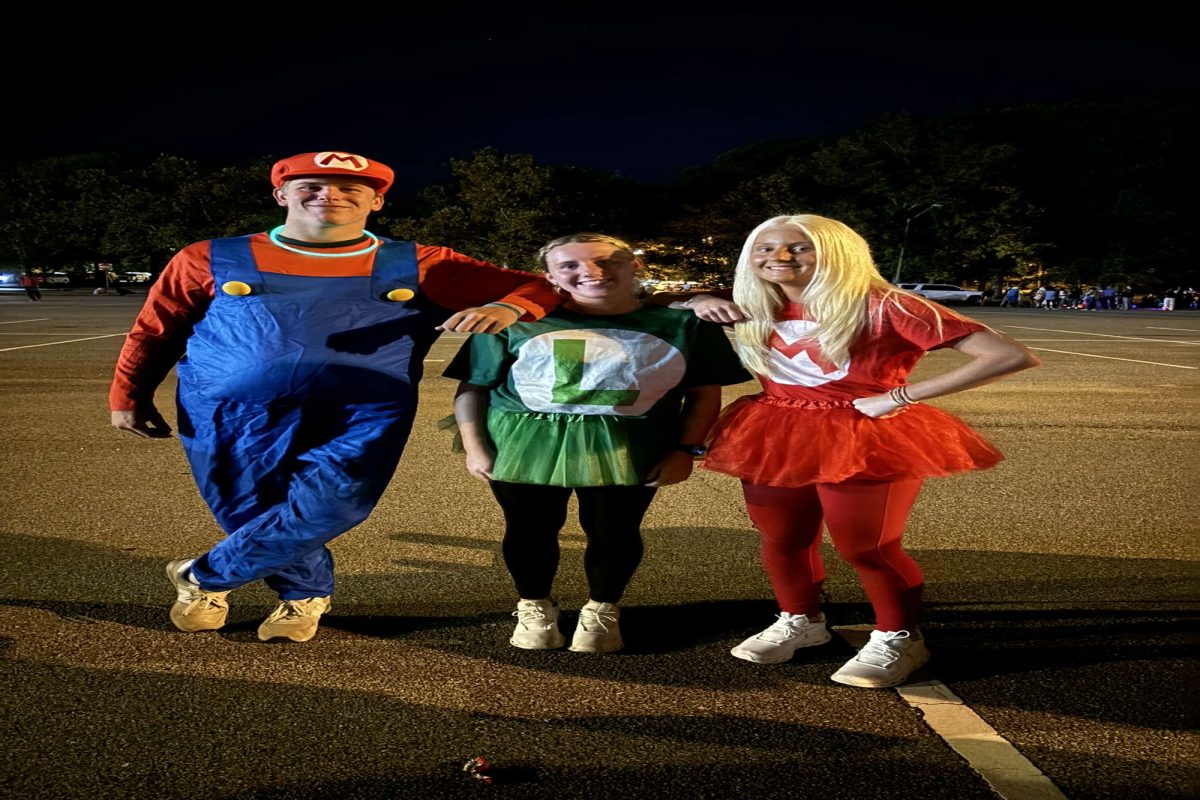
[606, 397]
[298, 353]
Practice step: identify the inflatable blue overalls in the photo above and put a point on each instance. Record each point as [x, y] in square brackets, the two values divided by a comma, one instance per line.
[296, 397]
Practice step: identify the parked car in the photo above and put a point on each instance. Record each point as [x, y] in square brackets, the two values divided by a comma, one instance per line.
[945, 293]
[57, 279]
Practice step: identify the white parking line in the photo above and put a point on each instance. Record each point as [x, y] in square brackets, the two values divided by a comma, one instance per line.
[1112, 358]
[1058, 339]
[1161, 328]
[65, 341]
[1011, 775]
[19, 321]
[1105, 335]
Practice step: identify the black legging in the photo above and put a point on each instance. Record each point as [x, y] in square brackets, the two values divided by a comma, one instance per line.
[611, 516]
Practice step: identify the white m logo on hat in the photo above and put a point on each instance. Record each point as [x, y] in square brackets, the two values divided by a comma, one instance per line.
[341, 160]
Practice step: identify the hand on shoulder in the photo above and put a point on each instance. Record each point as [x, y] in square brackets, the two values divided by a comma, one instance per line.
[713, 308]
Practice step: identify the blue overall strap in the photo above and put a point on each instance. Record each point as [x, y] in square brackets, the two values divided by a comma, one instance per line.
[395, 267]
[231, 260]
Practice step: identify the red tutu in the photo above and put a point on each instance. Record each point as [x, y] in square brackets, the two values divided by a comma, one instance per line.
[778, 442]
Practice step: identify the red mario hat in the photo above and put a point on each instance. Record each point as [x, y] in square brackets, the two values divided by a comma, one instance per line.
[332, 162]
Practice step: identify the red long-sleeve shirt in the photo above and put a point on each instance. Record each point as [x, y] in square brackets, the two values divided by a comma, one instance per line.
[181, 296]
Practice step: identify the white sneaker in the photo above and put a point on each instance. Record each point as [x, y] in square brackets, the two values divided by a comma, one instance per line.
[537, 626]
[779, 642]
[887, 659]
[598, 630]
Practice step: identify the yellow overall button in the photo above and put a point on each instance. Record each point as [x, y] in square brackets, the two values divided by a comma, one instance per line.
[236, 288]
[400, 295]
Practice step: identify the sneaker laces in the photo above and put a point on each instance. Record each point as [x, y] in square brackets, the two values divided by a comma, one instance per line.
[531, 616]
[784, 628]
[305, 607]
[596, 620]
[203, 601]
[883, 648]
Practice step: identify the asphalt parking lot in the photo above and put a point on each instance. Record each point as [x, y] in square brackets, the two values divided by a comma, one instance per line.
[1062, 589]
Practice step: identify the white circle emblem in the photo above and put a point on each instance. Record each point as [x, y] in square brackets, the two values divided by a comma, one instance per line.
[596, 371]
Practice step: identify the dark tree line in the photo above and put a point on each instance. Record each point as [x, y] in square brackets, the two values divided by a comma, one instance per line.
[1080, 192]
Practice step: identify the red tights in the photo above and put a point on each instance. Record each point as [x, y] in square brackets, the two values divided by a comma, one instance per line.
[865, 521]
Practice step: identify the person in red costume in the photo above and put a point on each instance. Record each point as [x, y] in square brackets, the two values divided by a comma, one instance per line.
[298, 353]
[32, 285]
[838, 436]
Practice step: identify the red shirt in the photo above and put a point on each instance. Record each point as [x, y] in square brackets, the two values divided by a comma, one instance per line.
[879, 360]
[180, 298]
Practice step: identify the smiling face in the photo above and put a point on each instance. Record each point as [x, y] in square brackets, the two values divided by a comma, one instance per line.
[786, 257]
[319, 204]
[598, 276]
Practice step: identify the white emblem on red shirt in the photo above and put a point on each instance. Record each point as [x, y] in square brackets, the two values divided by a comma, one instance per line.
[798, 361]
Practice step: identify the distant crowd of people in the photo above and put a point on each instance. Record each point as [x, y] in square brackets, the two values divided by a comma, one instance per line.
[1095, 298]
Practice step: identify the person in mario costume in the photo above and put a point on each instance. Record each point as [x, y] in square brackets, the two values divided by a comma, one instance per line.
[298, 352]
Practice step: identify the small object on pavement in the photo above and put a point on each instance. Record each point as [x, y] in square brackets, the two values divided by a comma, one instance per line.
[478, 768]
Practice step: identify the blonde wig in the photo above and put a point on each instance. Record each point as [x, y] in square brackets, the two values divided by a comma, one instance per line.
[837, 299]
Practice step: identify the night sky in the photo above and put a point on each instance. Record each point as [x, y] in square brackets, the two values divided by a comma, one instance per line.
[638, 93]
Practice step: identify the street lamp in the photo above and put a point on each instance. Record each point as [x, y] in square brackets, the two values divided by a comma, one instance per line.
[904, 241]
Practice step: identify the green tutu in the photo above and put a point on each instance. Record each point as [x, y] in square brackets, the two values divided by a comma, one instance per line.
[576, 449]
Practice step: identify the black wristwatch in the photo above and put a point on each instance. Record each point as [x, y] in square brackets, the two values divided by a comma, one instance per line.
[696, 450]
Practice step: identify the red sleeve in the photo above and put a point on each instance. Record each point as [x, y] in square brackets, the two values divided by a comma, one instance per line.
[175, 303]
[455, 281]
[927, 325]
